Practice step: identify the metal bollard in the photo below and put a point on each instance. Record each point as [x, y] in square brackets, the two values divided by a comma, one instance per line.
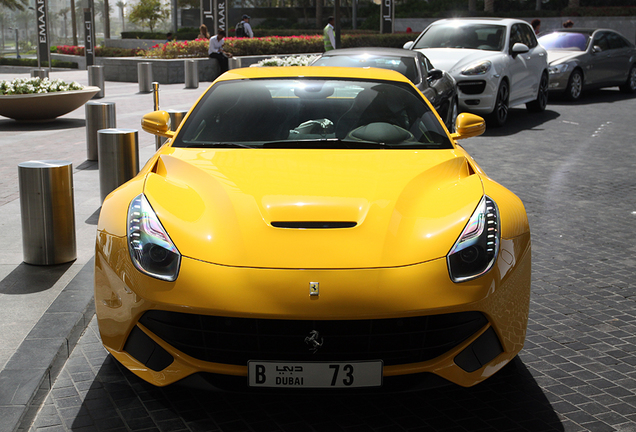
[99, 115]
[96, 78]
[47, 212]
[191, 74]
[39, 73]
[118, 158]
[176, 116]
[144, 76]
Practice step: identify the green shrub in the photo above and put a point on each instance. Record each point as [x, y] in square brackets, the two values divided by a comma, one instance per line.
[34, 63]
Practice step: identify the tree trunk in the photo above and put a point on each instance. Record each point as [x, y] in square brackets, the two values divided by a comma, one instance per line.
[489, 5]
[538, 5]
[472, 5]
[106, 20]
[74, 22]
[573, 4]
[319, 14]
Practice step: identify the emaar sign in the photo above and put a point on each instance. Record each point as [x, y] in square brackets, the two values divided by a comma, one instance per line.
[43, 32]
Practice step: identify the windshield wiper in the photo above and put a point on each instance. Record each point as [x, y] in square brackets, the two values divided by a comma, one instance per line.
[323, 144]
[220, 144]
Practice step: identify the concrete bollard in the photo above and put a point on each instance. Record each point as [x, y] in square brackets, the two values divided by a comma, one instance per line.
[47, 212]
[39, 73]
[144, 77]
[176, 116]
[118, 158]
[96, 78]
[191, 74]
[99, 115]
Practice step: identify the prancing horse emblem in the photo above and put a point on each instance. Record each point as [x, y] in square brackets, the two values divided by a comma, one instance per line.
[314, 340]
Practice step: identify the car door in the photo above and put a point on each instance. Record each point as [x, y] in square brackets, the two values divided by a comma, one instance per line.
[619, 57]
[518, 67]
[536, 59]
[430, 92]
[600, 69]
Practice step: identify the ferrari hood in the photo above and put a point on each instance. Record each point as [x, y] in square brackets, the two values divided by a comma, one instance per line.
[559, 56]
[270, 208]
[455, 60]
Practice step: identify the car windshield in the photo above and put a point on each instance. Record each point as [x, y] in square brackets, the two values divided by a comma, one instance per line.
[312, 113]
[565, 40]
[403, 65]
[487, 37]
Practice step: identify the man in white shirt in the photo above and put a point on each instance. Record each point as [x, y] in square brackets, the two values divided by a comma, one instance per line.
[328, 36]
[215, 51]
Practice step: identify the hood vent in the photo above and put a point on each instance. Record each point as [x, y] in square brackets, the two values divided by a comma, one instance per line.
[314, 225]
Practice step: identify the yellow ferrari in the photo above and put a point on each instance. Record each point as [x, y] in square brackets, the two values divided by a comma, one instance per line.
[313, 228]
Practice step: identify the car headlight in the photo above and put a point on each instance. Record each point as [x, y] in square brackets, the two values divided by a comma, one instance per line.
[475, 252]
[558, 69]
[478, 69]
[150, 247]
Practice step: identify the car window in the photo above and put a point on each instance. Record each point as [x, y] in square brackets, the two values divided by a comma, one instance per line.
[565, 40]
[487, 37]
[528, 37]
[312, 113]
[404, 65]
[601, 40]
[616, 41]
[515, 35]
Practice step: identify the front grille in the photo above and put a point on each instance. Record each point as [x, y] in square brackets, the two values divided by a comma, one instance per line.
[313, 225]
[472, 87]
[237, 340]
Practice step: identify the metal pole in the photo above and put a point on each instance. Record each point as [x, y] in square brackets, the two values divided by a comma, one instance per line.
[155, 100]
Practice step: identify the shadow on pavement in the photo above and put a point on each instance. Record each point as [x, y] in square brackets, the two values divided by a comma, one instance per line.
[8, 125]
[510, 400]
[520, 120]
[28, 279]
[608, 95]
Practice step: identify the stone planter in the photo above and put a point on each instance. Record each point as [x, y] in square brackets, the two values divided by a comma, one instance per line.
[44, 106]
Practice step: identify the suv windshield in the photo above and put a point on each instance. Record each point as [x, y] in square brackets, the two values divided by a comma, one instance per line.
[487, 37]
[312, 113]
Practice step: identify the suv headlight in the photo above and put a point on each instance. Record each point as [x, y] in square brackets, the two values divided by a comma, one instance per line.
[475, 252]
[150, 247]
[477, 69]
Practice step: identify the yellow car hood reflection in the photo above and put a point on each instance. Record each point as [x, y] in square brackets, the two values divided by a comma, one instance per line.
[260, 207]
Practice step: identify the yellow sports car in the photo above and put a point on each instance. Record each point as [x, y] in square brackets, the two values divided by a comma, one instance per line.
[313, 228]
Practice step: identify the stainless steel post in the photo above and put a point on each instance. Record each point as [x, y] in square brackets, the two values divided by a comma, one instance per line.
[191, 73]
[99, 115]
[118, 158]
[176, 116]
[39, 73]
[144, 77]
[96, 78]
[47, 212]
[155, 100]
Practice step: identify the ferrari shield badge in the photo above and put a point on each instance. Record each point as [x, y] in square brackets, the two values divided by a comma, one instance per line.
[314, 288]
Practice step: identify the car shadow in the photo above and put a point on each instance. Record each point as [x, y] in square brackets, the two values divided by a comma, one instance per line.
[510, 400]
[520, 120]
[606, 95]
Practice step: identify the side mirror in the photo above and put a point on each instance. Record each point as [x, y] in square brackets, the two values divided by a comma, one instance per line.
[435, 74]
[468, 125]
[157, 123]
[597, 49]
[408, 45]
[519, 48]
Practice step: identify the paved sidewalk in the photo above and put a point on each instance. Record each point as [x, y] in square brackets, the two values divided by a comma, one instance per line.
[44, 309]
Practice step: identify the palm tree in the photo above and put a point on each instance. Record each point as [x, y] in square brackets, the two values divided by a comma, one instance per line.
[122, 5]
[14, 4]
[489, 5]
[63, 13]
[74, 22]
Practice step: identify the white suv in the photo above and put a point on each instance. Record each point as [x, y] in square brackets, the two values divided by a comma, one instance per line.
[496, 62]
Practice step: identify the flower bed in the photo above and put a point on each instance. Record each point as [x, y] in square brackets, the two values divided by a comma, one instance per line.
[21, 86]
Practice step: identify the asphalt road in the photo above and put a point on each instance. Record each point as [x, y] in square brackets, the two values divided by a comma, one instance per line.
[573, 167]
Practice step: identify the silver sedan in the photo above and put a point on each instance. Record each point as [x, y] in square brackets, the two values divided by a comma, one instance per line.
[589, 58]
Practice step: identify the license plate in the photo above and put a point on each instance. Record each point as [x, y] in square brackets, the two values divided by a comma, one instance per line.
[314, 375]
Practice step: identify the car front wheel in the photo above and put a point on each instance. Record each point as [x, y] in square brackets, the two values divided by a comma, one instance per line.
[500, 114]
[575, 86]
[539, 104]
[630, 84]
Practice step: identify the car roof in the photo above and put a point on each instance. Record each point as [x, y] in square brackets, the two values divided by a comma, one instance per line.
[493, 20]
[313, 72]
[379, 51]
[588, 31]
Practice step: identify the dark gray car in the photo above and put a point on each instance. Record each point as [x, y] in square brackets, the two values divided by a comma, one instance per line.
[437, 85]
[582, 58]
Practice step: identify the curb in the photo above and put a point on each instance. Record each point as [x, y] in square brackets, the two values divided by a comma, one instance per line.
[30, 373]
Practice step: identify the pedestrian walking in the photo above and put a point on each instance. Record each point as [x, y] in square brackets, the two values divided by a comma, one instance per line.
[329, 37]
[243, 28]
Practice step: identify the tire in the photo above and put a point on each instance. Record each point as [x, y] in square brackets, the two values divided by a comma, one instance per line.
[539, 104]
[575, 86]
[451, 116]
[630, 84]
[500, 114]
